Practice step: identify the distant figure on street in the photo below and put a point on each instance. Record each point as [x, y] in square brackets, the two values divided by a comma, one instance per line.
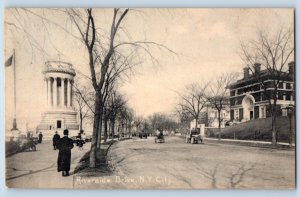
[28, 135]
[55, 139]
[79, 141]
[64, 145]
[83, 137]
[40, 137]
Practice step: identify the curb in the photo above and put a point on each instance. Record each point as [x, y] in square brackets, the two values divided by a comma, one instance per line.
[111, 163]
[260, 144]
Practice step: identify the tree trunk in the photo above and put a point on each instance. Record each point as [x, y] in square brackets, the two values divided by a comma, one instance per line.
[95, 133]
[219, 120]
[100, 129]
[196, 122]
[105, 129]
[81, 120]
[113, 128]
[274, 132]
[291, 130]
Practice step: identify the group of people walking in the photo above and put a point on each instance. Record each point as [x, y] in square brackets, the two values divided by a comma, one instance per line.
[64, 145]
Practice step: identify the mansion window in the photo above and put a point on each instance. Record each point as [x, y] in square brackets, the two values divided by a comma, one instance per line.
[263, 115]
[288, 86]
[232, 102]
[240, 91]
[280, 95]
[288, 96]
[236, 114]
[284, 112]
[232, 93]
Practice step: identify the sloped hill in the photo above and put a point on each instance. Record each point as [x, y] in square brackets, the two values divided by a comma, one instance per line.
[258, 129]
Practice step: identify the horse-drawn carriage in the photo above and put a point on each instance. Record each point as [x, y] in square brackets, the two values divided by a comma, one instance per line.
[30, 143]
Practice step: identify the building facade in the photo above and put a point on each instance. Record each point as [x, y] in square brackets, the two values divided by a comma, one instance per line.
[60, 113]
[249, 98]
[210, 116]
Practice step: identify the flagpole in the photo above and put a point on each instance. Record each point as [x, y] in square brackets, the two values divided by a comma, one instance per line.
[15, 95]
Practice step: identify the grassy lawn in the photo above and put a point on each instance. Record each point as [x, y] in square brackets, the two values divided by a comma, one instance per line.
[258, 129]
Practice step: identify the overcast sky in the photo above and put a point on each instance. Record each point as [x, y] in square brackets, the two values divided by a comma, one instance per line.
[206, 41]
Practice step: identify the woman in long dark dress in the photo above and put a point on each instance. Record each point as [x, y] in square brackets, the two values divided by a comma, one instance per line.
[64, 145]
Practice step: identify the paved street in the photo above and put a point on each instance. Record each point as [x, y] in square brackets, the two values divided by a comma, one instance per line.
[143, 164]
[38, 169]
[140, 163]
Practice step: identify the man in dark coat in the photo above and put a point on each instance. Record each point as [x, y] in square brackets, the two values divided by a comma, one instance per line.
[55, 139]
[40, 137]
[64, 145]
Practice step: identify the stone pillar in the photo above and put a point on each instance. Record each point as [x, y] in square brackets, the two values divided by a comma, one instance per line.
[62, 101]
[55, 92]
[46, 88]
[69, 93]
[48, 94]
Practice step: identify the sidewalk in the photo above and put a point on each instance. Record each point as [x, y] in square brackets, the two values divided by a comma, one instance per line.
[262, 144]
[39, 169]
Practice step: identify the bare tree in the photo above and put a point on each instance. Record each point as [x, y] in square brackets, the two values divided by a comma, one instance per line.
[272, 52]
[84, 98]
[104, 55]
[125, 117]
[218, 95]
[194, 100]
[138, 121]
[109, 57]
[161, 121]
[115, 105]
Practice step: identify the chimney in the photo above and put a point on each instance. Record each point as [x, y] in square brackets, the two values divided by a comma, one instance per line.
[246, 72]
[257, 68]
[292, 68]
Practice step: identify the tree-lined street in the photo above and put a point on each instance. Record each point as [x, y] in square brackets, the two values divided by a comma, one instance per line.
[128, 78]
[175, 164]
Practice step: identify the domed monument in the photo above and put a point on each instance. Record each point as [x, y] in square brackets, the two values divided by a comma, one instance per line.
[60, 113]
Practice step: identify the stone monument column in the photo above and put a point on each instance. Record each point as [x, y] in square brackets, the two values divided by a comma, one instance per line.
[62, 92]
[49, 98]
[55, 92]
[69, 93]
[46, 88]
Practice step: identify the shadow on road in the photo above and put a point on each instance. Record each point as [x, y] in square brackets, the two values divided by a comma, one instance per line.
[31, 171]
[234, 179]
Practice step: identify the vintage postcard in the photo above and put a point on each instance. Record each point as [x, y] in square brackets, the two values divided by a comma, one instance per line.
[116, 98]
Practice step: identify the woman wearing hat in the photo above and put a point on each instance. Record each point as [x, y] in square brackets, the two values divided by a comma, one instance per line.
[64, 145]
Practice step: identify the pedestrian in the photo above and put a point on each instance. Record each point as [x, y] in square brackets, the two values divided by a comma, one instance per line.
[55, 139]
[64, 145]
[80, 144]
[40, 137]
[83, 137]
[28, 135]
[79, 141]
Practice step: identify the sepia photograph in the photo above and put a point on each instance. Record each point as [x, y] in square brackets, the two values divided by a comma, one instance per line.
[150, 98]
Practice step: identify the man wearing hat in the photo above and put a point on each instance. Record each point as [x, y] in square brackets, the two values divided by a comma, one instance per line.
[55, 139]
[64, 145]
